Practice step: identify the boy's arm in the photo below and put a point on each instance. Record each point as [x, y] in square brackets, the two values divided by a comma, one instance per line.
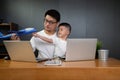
[43, 38]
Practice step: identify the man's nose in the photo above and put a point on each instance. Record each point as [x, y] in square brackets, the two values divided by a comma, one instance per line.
[47, 23]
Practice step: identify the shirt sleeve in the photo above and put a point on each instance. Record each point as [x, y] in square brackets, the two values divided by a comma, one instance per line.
[55, 40]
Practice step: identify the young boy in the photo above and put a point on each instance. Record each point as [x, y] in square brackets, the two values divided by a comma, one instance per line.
[60, 42]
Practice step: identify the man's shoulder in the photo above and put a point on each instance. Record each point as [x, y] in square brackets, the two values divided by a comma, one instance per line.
[39, 32]
[42, 31]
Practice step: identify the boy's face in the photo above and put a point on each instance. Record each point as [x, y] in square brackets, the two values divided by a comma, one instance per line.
[63, 31]
[50, 23]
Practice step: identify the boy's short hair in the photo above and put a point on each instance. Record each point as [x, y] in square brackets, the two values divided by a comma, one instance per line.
[67, 25]
[53, 13]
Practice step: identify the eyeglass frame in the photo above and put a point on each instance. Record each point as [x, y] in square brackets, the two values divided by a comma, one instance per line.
[50, 22]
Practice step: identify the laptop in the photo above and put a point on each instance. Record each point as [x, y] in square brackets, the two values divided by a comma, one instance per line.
[81, 49]
[21, 51]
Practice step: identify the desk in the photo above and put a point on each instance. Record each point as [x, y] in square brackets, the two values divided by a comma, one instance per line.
[81, 70]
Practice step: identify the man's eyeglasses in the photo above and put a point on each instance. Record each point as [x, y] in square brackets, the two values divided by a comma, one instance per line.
[50, 22]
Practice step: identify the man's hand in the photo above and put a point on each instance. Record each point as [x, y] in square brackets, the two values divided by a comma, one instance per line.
[15, 37]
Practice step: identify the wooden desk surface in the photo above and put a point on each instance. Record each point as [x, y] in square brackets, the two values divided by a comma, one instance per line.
[80, 70]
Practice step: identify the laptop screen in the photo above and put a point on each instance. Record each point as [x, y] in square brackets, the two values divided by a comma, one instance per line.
[81, 49]
[20, 50]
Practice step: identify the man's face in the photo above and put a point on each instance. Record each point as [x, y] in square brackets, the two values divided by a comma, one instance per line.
[50, 23]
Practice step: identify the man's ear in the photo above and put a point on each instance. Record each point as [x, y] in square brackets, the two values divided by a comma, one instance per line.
[58, 23]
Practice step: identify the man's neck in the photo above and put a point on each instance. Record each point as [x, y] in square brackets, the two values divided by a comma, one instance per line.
[49, 32]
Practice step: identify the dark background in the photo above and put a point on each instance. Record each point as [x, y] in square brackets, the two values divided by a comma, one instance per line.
[89, 18]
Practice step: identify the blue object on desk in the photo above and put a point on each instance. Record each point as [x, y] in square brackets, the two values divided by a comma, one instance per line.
[18, 33]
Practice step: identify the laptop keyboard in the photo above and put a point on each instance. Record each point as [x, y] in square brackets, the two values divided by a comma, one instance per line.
[53, 62]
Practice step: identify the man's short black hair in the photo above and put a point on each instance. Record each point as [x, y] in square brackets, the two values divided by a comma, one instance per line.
[53, 13]
[67, 25]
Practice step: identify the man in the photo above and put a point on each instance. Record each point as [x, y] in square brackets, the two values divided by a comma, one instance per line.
[51, 21]
[60, 42]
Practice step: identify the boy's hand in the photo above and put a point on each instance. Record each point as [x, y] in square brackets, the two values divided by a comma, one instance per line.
[35, 34]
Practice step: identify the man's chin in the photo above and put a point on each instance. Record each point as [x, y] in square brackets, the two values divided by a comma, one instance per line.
[49, 30]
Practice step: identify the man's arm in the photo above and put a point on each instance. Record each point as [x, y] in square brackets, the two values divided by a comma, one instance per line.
[43, 38]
